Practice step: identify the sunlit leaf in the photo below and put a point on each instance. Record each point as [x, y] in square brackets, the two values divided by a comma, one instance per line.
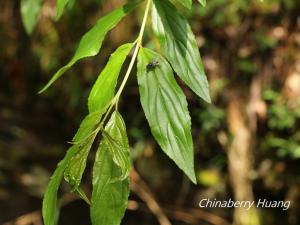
[110, 193]
[165, 107]
[202, 2]
[91, 42]
[104, 88]
[179, 46]
[87, 126]
[29, 12]
[186, 3]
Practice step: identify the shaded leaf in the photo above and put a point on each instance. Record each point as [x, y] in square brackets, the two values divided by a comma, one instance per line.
[165, 107]
[77, 164]
[60, 6]
[50, 211]
[110, 193]
[84, 139]
[99, 98]
[104, 88]
[179, 46]
[29, 12]
[117, 142]
[91, 42]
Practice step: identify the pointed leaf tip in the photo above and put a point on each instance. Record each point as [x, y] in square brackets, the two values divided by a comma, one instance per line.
[165, 107]
[91, 42]
[179, 45]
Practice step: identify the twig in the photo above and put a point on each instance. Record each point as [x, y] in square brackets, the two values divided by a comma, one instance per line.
[190, 216]
[27, 219]
[197, 214]
[140, 188]
[35, 217]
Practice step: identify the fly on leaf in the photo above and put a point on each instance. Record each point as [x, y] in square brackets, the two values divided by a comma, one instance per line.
[152, 65]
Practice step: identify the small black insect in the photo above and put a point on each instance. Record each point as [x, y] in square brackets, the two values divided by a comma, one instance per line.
[152, 65]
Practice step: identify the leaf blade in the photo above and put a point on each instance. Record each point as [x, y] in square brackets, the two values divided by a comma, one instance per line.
[60, 6]
[110, 193]
[91, 42]
[104, 88]
[202, 2]
[77, 164]
[115, 135]
[29, 12]
[84, 139]
[99, 98]
[186, 3]
[49, 209]
[161, 98]
[179, 46]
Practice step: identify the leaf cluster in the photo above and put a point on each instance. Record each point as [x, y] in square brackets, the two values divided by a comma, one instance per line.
[164, 104]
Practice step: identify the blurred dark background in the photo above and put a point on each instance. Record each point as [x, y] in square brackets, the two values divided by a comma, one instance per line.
[247, 142]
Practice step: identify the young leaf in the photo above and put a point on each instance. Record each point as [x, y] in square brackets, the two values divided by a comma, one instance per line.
[104, 88]
[179, 46]
[165, 107]
[202, 2]
[76, 166]
[86, 128]
[100, 96]
[117, 143]
[29, 12]
[110, 193]
[60, 6]
[186, 3]
[84, 139]
[91, 42]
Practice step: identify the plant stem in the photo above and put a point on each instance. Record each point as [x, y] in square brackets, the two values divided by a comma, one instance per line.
[138, 44]
[135, 53]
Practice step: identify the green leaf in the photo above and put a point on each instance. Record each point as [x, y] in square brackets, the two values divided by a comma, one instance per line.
[104, 88]
[29, 12]
[84, 139]
[110, 193]
[82, 136]
[117, 142]
[82, 195]
[60, 6]
[77, 164]
[202, 2]
[179, 46]
[88, 125]
[91, 42]
[186, 3]
[165, 107]
[99, 98]
[50, 211]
